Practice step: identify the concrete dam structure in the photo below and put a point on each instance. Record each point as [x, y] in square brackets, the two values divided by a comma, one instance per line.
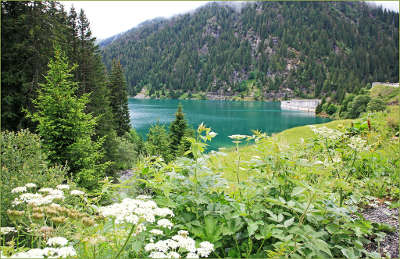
[307, 105]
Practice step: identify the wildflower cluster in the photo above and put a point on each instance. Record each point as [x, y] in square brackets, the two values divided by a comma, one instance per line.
[181, 243]
[37, 199]
[326, 132]
[6, 230]
[358, 144]
[132, 210]
[48, 252]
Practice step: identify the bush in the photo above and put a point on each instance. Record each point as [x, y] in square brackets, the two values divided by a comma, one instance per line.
[376, 104]
[331, 109]
[22, 162]
[158, 142]
[358, 105]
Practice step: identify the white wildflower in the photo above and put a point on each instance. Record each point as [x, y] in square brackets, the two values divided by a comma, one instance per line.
[185, 242]
[162, 246]
[165, 223]
[163, 212]
[33, 253]
[6, 230]
[205, 249]
[238, 137]
[65, 252]
[358, 144]
[156, 232]
[18, 189]
[57, 241]
[133, 219]
[172, 243]
[49, 251]
[30, 185]
[192, 255]
[56, 193]
[63, 187]
[326, 132]
[46, 190]
[157, 255]
[212, 134]
[173, 255]
[77, 192]
[150, 247]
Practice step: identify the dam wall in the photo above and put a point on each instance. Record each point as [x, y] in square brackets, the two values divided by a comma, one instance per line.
[307, 105]
[385, 84]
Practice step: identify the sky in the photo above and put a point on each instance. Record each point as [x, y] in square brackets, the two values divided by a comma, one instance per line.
[108, 18]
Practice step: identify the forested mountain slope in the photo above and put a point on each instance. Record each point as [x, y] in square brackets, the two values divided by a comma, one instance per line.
[265, 50]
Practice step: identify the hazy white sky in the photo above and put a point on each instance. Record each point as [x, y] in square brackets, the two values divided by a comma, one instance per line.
[108, 18]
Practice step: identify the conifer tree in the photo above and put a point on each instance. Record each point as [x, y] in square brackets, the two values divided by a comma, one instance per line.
[65, 129]
[119, 99]
[177, 131]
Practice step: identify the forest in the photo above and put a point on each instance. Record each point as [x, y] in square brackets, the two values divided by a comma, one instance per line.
[263, 50]
[77, 181]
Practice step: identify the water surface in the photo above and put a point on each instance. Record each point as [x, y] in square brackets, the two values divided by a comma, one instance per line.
[224, 117]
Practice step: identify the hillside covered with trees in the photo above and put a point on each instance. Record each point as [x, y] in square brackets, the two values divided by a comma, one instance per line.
[264, 50]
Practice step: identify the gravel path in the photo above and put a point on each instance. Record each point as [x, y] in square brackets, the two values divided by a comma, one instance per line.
[380, 212]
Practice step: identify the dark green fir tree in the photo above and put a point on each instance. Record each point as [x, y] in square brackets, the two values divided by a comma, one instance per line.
[65, 129]
[119, 99]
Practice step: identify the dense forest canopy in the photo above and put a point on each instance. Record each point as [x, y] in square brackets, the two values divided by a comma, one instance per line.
[266, 50]
[30, 33]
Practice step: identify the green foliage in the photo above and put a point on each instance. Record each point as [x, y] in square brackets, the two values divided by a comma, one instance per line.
[157, 143]
[358, 106]
[22, 162]
[376, 104]
[130, 148]
[119, 99]
[63, 126]
[289, 203]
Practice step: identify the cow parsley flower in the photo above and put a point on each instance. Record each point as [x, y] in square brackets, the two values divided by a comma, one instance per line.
[77, 192]
[57, 241]
[65, 252]
[6, 230]
[192, 255]
[156, 232]
[18, 189]
[205, 249]
[238, 137]
[30, 185]
[165, 223]
[173, 255]
[63, 187]
[163, 212]
[46, 190]
[157, 255]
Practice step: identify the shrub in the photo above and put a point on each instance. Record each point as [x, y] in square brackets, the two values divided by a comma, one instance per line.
[376, 104]
[358, 105]
[22, 162]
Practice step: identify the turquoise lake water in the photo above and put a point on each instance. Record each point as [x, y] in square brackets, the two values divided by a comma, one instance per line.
[224, 117]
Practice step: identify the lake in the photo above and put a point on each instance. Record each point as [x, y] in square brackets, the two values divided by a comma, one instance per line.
[224, 117]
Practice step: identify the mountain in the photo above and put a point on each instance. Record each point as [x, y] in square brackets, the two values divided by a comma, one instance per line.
[261, 50]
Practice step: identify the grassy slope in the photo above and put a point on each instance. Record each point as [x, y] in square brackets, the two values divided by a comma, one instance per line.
[290, 138]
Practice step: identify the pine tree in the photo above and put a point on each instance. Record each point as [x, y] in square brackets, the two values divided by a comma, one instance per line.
[177, 131]
[65, 129]
[119, 99]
